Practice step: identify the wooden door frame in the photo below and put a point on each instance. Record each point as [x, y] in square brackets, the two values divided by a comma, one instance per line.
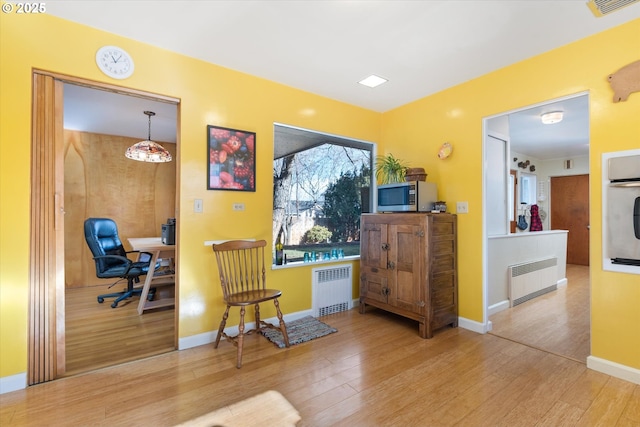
[46, 333]
[46, 247]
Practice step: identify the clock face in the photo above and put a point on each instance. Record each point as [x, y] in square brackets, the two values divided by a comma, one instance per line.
[114, 62]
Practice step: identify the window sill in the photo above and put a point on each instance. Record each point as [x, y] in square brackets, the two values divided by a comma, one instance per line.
[315, 263]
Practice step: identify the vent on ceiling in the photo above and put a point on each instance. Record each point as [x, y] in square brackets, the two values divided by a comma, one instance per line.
[604, 7]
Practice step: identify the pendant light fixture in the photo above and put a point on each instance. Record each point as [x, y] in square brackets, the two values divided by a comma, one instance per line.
[148, 151]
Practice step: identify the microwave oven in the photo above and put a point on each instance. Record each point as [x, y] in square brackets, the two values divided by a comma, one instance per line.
[411, 196]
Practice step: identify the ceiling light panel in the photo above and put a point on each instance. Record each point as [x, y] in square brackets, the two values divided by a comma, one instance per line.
[372, 81]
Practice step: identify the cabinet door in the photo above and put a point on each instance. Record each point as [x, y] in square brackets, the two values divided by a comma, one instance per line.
[374, 246]
[374, 284]
[406, 275]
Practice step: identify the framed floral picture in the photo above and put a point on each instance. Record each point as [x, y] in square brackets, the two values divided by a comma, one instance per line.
[232, 159]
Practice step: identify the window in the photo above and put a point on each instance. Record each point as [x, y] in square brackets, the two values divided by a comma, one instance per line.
[322, 184]
[512, 200]
[528, 189]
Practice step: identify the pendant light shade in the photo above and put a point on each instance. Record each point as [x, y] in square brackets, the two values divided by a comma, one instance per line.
[148, 151]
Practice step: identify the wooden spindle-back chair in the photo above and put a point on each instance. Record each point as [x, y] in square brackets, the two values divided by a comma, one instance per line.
[242, 269]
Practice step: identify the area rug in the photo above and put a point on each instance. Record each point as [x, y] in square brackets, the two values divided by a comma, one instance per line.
[299, 331]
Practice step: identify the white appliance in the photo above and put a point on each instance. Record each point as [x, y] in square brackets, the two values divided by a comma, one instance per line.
[622, 211]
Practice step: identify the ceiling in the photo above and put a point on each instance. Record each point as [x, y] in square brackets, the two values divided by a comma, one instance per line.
[99, 111]
[326, 47]
[566, 139]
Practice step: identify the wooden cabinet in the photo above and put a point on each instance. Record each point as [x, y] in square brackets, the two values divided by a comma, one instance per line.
[408, 266]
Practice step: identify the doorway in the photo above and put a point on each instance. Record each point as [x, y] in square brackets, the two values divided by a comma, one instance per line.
[46, 349]
[526, 153]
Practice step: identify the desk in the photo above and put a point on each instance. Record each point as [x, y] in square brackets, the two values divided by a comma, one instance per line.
[154, 246]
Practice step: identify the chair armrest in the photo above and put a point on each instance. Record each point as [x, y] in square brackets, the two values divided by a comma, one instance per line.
[142, 255]
[118, 257]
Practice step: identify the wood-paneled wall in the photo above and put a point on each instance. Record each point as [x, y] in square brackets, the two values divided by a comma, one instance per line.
[99, 181]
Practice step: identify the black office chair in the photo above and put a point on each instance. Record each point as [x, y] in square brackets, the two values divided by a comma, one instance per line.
[111, 259]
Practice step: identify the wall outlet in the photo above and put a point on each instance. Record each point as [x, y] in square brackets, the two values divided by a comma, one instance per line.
[238, 206]
[462, 207]
[197, 205]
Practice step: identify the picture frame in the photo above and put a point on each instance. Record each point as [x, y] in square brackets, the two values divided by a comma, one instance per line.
[231, 157]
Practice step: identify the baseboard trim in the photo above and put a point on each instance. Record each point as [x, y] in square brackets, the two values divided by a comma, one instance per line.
[562, 282]
[209, 337]
[13, 383]
[498, 307]
[472, 325]
[614, 369]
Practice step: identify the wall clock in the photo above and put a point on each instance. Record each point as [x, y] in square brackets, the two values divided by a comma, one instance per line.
[115, 62]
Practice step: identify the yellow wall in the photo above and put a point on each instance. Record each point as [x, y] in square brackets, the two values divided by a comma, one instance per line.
[209, 95]
[415, 131]
[215, 95]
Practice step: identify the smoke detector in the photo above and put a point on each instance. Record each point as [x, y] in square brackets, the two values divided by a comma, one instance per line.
[604, 7]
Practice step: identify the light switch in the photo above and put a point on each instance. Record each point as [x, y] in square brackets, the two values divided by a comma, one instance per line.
[197, 205]
[238, 206]
[462, 207]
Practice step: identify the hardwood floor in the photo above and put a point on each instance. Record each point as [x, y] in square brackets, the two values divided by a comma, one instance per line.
[557, 322]
[375, 371]
[98, 335]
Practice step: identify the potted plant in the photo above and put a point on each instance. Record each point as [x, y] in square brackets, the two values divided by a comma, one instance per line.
[390, 169]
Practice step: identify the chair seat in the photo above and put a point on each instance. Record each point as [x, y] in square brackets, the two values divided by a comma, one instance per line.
[137, 269]
[253, 297]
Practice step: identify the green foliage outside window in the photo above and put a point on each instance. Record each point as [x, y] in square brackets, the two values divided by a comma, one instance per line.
[343, 206]
[317, 234]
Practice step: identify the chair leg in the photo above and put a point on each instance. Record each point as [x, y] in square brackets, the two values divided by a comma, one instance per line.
[257, 309]
[222, 325]
[124, 296]
[240, 337]
[283, 327]
[128, 293]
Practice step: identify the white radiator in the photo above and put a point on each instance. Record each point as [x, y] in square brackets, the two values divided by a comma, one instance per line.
[531, 279]
[331, 287]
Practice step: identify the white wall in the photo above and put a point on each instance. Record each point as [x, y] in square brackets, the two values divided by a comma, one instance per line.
[511, 249]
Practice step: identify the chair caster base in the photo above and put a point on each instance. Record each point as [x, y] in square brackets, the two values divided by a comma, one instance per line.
[100, 300]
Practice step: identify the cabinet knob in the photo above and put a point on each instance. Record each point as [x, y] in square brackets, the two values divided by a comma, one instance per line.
[385, 246]
[391, 265]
